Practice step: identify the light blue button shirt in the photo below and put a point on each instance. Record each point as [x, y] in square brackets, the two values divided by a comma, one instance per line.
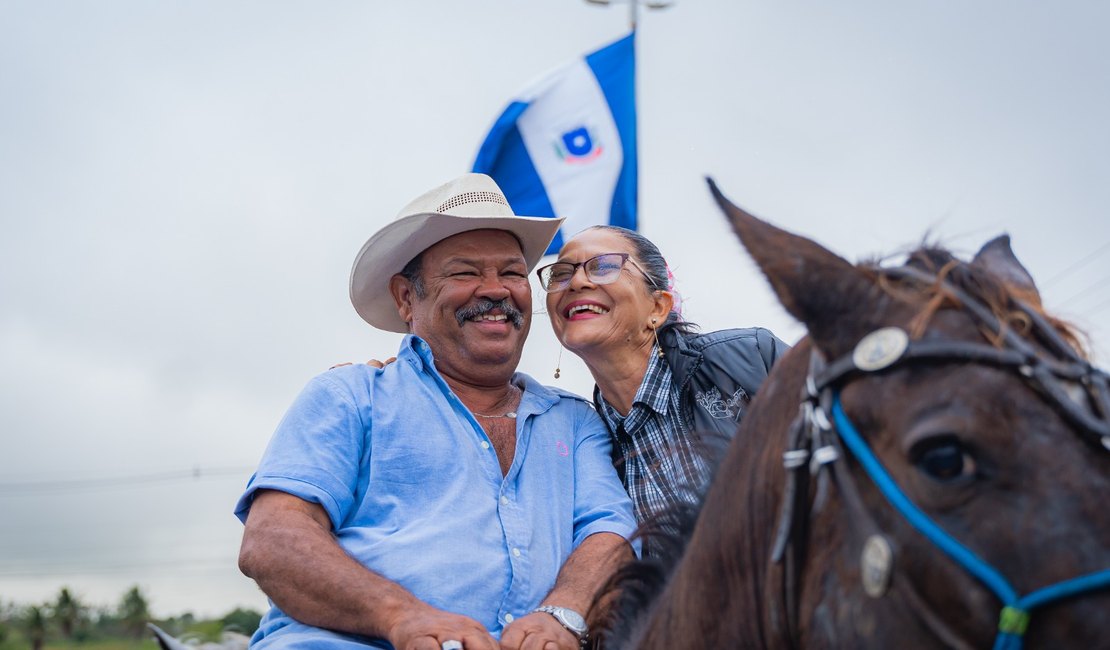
[414, 490]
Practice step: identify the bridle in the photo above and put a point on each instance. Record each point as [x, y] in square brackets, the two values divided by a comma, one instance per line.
[821, 432]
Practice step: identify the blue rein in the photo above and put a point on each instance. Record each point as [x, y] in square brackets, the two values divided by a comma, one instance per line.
[1016, 610]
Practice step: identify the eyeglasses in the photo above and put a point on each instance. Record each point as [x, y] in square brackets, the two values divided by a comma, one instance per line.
[600, 269]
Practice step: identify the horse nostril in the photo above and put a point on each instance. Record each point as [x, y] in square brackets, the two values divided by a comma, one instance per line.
[944, 459]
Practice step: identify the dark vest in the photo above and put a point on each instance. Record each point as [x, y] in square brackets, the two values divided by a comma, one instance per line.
[718, 373]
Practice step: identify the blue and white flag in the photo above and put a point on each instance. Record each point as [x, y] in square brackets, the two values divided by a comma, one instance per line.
[566, 146]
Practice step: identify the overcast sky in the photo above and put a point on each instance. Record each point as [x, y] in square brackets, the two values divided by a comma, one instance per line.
[184, 185]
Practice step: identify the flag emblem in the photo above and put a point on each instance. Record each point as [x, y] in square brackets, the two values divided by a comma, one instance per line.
[578, 146]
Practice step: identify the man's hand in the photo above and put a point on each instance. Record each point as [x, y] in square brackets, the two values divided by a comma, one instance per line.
[428, 628]
[537, 631]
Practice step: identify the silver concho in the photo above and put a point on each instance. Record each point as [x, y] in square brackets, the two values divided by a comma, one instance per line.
[880, 348]
[876, 561]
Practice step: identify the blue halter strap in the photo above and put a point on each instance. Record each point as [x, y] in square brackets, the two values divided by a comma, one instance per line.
[1016, 610]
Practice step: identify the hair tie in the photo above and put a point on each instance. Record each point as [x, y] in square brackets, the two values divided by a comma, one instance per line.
[671, 289]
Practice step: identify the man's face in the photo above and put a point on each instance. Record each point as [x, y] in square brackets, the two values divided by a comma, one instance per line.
[477, 306]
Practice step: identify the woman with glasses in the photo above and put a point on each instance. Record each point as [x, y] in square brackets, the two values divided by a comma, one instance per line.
[660, 385]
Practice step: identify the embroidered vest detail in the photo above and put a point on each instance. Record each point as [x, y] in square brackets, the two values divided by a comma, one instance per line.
[719, 408]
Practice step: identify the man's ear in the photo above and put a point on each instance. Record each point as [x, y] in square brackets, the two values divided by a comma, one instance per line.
[403, 296]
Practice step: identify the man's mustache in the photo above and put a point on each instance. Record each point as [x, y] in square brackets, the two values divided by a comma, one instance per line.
[484, 306]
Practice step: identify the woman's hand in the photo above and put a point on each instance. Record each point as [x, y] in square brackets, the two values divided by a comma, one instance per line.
[372, 362]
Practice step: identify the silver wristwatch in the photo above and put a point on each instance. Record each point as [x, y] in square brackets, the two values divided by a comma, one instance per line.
[569, 619]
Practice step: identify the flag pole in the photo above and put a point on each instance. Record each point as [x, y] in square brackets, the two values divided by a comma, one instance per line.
[634, 7]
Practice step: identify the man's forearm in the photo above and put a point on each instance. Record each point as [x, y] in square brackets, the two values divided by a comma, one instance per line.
[288, 549]
[587, 569]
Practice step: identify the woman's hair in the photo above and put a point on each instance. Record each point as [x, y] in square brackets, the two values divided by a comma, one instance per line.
[656, 277]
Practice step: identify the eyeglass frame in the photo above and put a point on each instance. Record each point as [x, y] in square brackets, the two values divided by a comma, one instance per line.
[625, 257]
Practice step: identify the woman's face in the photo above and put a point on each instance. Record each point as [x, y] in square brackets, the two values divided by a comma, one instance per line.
[592, 319]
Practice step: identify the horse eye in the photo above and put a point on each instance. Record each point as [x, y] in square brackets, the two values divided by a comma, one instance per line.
[944, 459]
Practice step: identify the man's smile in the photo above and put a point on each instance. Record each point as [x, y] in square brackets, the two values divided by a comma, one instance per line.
[488, 311]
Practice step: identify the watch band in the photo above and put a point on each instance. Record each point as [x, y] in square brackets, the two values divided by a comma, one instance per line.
[561, 616]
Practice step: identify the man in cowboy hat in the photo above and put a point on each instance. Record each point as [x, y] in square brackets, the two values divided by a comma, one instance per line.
[445, 501]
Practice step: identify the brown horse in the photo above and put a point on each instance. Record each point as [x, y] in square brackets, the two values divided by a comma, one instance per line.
[928, 468]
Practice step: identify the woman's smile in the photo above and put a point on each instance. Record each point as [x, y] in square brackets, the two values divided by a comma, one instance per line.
[584, 310]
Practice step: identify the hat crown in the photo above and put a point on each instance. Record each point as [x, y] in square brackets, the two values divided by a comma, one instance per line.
[470, 195]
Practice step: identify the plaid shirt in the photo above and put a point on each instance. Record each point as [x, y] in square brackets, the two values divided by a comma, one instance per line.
[661, 465]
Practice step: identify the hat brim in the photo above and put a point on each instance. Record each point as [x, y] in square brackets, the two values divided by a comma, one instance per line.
[388, 251]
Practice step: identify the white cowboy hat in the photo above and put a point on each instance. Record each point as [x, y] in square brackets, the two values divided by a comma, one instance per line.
[470, 202]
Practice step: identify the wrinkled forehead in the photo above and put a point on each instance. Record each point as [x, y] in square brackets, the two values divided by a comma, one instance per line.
[474, 244]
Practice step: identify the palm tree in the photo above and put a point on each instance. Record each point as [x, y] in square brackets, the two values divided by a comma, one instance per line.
[134, 612]
[68, 612]
[35, 624]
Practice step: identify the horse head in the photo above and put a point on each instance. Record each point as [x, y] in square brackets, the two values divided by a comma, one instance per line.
[928, 468]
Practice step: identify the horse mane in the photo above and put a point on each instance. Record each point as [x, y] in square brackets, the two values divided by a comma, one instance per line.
[632, 589]
[996, 293]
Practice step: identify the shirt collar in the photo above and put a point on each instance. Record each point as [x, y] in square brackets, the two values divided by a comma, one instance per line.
[416, 351]
[536, 397]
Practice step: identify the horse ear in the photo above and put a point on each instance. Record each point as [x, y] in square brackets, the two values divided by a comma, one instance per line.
[997, 258]
[837, 302]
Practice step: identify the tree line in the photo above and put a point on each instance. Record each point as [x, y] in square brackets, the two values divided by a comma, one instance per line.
[67, 619]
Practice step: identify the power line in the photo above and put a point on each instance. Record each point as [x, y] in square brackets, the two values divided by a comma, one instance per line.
[1075, 265]
[214, 563]
[1086, 290]
[1097, 308]
[79, 552]
[70, 485]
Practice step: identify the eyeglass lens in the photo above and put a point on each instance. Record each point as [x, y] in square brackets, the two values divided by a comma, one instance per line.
[602, 269]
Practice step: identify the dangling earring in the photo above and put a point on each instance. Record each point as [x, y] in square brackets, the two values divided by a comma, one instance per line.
[559, 362]
[655, 333]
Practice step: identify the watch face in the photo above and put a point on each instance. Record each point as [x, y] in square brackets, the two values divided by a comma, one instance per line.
[572, 619]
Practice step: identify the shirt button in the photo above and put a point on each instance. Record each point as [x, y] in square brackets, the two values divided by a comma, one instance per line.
[504, 501]
[516, 552]
[485, 445]
[508, 618]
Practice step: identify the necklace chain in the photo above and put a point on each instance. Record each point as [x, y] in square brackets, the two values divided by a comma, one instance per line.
[507, 414]
[510, 414]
